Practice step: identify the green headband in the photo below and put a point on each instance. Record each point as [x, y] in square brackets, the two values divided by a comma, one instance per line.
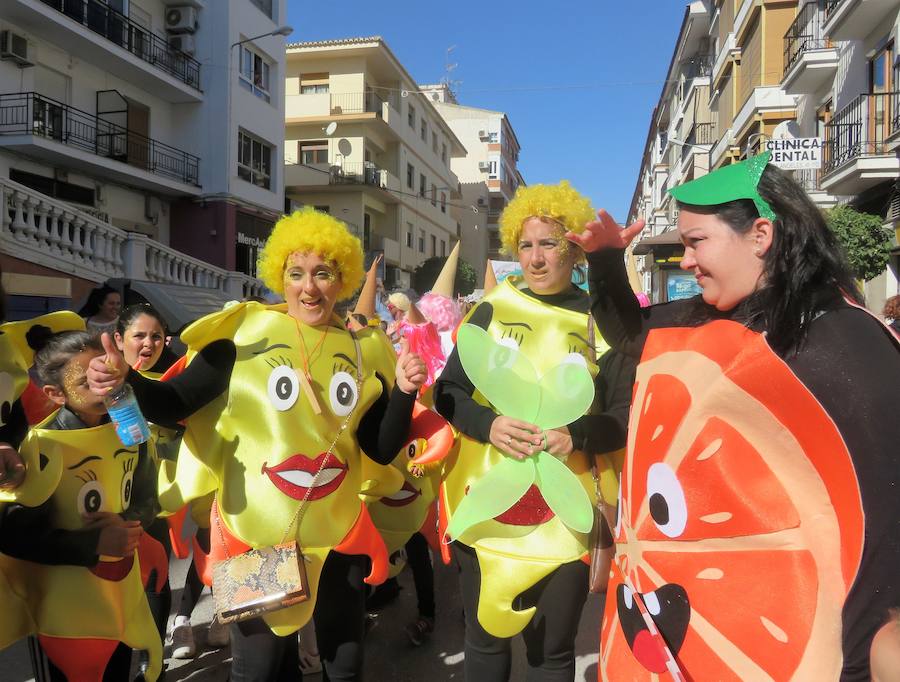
[729, 183]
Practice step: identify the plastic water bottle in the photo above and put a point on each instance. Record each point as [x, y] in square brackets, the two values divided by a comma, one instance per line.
[122, 406]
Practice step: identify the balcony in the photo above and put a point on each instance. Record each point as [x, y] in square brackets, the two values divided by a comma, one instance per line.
[54, 234]
[810, 179]
[722, 145]
[66, 136]
[299, 177]
[856, 19]
[98, 34]
[858, 143]
[810, 60]
[389, 247]
[319, 106]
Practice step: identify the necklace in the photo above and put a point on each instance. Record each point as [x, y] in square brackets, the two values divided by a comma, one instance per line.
[308, 358]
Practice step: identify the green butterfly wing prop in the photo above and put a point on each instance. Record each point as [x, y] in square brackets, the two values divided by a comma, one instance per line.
[567, 392]
[492, 494]
[502, 374]
[563, 493]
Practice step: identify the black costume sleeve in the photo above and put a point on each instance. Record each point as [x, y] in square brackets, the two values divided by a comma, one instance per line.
[384, 428]
[619, 316]
[453, 390]
[144, 505]
[203, 380]
[15, 424]
[27, 535]
[606, 431]
[852, 367]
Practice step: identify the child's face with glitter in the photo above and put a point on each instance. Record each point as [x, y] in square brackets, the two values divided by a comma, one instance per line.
[74, 392]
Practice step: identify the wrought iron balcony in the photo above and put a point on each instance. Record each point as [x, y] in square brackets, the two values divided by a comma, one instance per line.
[862, 128]
[140, 41]
[358, 173]
[806, 33]
[28, 113]
[701, 134]
[356, 103]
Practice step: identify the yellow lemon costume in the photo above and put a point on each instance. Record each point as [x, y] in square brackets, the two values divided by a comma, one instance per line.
[80, 614]
[525, 543]
[262, 447]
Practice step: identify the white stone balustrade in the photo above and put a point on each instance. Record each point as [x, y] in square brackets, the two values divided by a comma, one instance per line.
[48, 232]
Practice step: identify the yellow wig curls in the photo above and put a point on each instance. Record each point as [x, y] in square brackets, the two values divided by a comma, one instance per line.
[560, 203]
[311, 231]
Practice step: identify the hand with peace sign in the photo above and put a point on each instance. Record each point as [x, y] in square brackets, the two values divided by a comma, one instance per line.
[605, 233]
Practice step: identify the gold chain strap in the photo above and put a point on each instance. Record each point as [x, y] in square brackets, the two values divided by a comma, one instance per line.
[301, 508]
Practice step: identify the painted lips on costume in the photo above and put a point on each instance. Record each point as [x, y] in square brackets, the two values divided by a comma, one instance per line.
[402, 497]
[294, 476]
[114, 571]
[531, 510]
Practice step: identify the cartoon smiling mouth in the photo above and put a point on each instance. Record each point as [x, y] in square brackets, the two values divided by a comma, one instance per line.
[114, 571]
[295, 475]
[671, 612]
[531, 510]
[402, 497]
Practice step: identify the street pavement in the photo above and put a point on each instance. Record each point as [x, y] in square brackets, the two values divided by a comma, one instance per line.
[389, 654]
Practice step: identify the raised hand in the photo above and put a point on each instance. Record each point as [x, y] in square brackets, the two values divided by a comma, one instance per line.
[605, 233]
[107, 372]
[12, 468]
[375, 263]
[411, 372]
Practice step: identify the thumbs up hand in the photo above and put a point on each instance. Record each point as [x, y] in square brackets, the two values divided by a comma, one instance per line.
[411, 372]
[107, 372]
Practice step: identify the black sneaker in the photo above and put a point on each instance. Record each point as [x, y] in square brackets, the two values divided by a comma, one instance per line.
[419, 630]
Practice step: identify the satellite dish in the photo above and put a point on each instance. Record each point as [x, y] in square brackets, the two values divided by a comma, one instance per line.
[404, 93]
[786, 130]
[474, 209]
[330, 128]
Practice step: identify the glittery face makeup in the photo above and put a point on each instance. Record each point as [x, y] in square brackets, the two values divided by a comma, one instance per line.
[75, 387]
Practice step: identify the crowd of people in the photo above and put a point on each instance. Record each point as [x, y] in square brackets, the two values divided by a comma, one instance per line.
[724, 468]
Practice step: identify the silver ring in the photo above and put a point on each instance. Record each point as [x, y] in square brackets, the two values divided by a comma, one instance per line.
[508, 440]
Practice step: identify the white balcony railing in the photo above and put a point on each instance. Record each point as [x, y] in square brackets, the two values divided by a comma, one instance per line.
[54, 234]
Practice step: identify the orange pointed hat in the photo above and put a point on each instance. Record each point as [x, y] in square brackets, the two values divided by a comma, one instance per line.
[446, 281]
[490, 280]
[365, 304]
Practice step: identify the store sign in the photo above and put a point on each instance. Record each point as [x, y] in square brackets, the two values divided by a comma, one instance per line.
[796, 153]
[681, 285]
[250, 240]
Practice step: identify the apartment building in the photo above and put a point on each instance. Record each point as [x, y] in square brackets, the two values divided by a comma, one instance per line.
[841, 63]
[138, 143]
[363, 144]
[488, 173]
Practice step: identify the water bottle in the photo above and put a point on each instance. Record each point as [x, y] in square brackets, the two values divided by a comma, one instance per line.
[122, 406]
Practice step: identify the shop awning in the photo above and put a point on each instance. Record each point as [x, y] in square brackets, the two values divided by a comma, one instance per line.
[647, 244]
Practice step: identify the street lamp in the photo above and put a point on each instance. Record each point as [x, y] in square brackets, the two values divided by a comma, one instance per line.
[280, 31]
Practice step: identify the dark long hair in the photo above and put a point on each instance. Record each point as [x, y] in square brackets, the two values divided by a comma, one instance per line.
[95, 300]
[805, 268]
[130, 313]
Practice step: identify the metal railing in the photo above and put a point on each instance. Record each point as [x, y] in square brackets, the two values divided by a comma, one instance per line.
[28, 113]
[809, 179]
[805, 34]
[861, 129]
[831, 6]
[701, 134]
[356, 103]
[358, 173]
[140, 41]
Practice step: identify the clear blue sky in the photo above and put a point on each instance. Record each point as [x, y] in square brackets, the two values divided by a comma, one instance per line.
[578, 82]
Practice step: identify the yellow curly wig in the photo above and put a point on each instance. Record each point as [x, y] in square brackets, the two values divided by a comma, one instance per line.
[311, 231]
[560, 203]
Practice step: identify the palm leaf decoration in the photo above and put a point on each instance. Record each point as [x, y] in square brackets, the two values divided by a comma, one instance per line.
[510, 382]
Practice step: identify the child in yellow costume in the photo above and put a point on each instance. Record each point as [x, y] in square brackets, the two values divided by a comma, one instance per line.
[521, 552]
[76, 566]
[307, 419]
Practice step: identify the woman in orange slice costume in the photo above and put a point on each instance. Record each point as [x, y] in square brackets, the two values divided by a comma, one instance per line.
[757, 534]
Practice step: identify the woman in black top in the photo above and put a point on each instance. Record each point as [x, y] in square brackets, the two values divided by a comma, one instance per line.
[774, 355]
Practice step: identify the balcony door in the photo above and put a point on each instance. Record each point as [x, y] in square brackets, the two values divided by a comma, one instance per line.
[880, 84]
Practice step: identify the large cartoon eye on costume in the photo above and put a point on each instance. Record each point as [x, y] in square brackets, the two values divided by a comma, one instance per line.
[127, 483]
[503, 354]
[283, 387]
[90, 498]
[412, 448]
[666, 499]
[343, 393]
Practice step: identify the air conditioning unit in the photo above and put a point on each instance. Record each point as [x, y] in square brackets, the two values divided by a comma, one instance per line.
[183, 42]
[482, 201]
[14, 47]
[181, 20]
[484, 135]
[484, 166]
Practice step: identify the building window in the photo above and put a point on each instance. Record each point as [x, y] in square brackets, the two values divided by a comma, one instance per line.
[433, 195]
[265, 6]
[409, 235]
[421, 241]
[410, 176]
[323, 209]
[443, 248]
[443, 202]
[492, 173]
[314, 152]
[254, 74]
[423, 130]
[422, 185]
[254, 160]
[411, 117]
[444, 153]
[434, 142]
[314, 89]
[492, 137]
[433, 245]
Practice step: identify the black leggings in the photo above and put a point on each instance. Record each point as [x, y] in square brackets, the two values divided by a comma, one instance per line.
[549, 637]
[419, 561]
[258, 655]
